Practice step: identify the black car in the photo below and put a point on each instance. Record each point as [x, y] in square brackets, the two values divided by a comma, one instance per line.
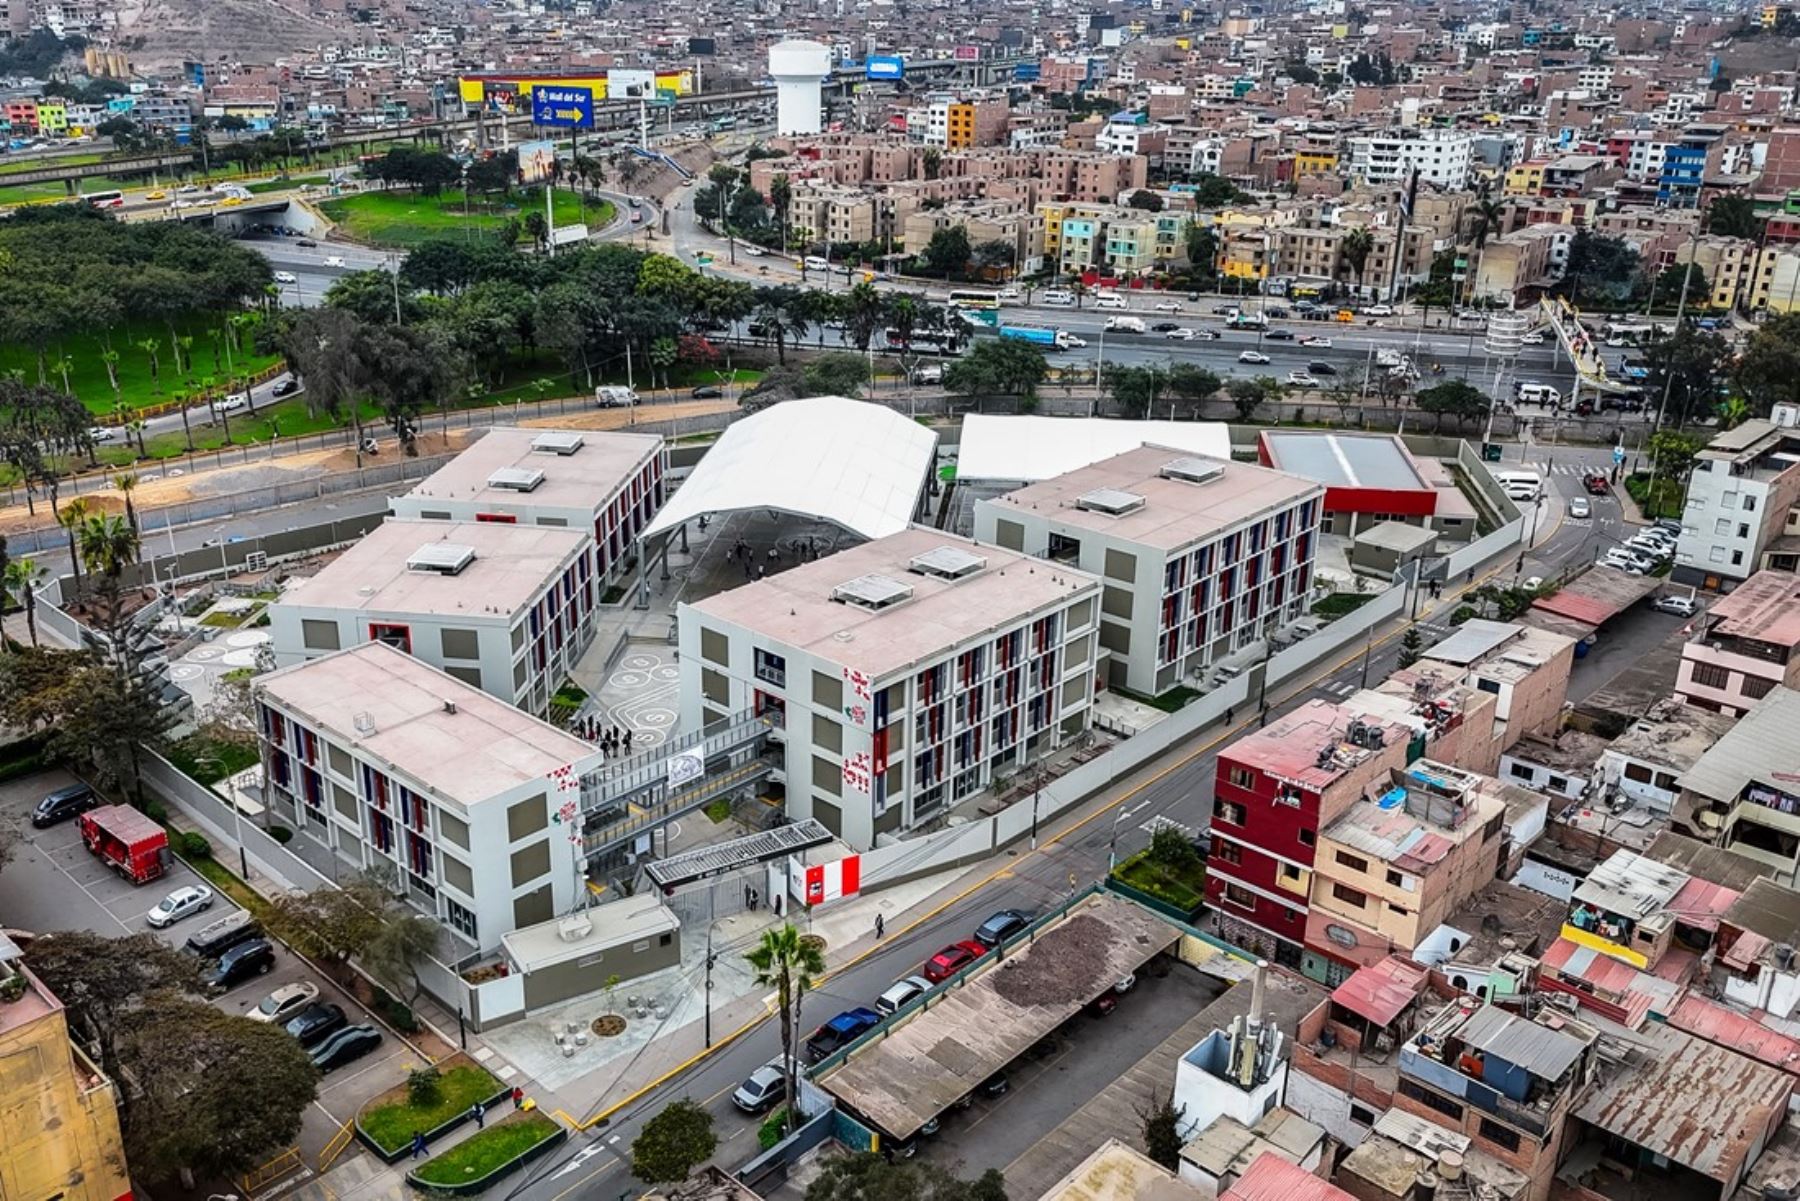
[247, 959]
[1163, 327]
[346, 1046]
[306, 242]
[310, 1026]
[1320, 367]
[707, 392]
[63, 804]
[287, 387]
[1280, 335]
[1002, 926]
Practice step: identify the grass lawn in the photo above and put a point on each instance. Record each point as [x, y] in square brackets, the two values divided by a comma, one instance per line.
[1340, 604]
[209, 761]
[404, 219]
[288, 418]
[718, 810]
[482, 1153]
[279, 184]
[228, 621]
[1183, 888]
[1169, 702]
[87, 375]
[391, 1117]
[19, 166]
[1670, 499]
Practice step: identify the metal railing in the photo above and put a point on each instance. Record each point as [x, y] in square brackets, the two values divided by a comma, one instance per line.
[269, 1172]
[649, 769]
[702, 792]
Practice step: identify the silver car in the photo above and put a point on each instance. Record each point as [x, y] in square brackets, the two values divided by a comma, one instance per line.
[182, 903]
[901, 994]
[766, 1086]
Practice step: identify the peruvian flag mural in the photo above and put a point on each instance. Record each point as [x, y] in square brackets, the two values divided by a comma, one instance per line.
[821, 883]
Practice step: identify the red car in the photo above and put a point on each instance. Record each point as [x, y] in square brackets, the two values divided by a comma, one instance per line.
[1596, 484]
[952, 959]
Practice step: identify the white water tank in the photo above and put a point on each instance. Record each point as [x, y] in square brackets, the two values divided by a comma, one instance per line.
[1505, 334]
[799, 70]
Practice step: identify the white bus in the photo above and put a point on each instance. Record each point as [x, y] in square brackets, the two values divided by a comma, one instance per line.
[978, 301]
[1524, 486]
[105, 200]
[1626, 333]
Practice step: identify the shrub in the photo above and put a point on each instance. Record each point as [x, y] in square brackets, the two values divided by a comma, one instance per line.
[1171, 848]
[769, 1133]
[1462, 614]
[281, 834]
[195, 846]
[155, 811]
[396, 1014]
[424, 1087]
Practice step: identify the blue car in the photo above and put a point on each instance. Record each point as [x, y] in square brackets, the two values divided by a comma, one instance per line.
[840, 1032]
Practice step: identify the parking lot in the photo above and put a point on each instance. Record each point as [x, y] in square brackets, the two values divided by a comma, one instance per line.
[53, 883]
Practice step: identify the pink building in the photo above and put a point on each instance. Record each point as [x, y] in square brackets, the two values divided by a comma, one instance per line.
[1744, 647]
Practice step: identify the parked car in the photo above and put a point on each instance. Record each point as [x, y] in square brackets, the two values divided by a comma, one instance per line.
[285, 1002]
[1254, 356]
[952, 959]
[346, 1046]
[764, 1087]
[254, 957]
[1596, 484]
[1579, 507]
[840, 1031]
[1680, 606]
[1001, 926]
[183, 902]
[1280, 335]
[63, 804]
[318, 1021]
[900, 994]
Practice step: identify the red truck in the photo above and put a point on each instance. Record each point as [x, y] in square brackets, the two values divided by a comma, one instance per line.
[130, 843]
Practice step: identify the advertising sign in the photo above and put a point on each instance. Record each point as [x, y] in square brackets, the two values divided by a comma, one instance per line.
[966, 54]
[537, 161]
[685, 768]
[562, 107]
[885, 66]
[630, 85]
[823, 882]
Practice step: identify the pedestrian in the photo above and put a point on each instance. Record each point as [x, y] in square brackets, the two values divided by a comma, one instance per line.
[1229, 710]
[628, 742]
[478, 1111]
[418, 1145]
[880, 928]
[519, 1093]
[761, 571]
[746, 896]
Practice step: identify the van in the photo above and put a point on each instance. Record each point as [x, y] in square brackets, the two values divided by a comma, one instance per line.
[815, 263]
[614, 396]
[213, 940]
[1109, 300]
[1059, 297]
[1520, 485]
[1539, 394]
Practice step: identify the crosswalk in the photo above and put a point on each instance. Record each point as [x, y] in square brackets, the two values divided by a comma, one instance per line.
[1163, 821]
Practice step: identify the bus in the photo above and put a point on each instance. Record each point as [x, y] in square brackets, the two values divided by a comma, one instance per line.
[721, 124]
[1520, 485]
[1626, 333]
[105, 200]
[980, 301]
[927, 341]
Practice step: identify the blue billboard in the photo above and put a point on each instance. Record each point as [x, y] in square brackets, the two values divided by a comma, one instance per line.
[1027, 72]
[564, 107]
[886, 66]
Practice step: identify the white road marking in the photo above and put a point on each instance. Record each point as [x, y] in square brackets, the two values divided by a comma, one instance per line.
[581, 1157]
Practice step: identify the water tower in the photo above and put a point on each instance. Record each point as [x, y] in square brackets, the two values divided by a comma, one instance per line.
[799, 69]
[1505, 338]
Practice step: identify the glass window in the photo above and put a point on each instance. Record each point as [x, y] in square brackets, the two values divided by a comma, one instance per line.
[1708, 676]
[460, 919]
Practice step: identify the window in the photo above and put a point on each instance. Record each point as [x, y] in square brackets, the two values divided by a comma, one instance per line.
[1749, 504]
[771, 668]
[1362, 1115]
[1400, 909]
[1737, 558]
[1716, 554]
[1722, 527]
[1487, 685]
[1290, 873]
[1355, 863]
[1396, 879]
[1756, 687]
[1430, 1100]
[1558, 784]
[1521, 771]
[1308, 838]
[1349, 896]
[1241, 777]
[1706, 675]
[1237, 894]
[1227, 852]
[1637, 773]
[1228, 812]
[460, 919]
[1500, 1136]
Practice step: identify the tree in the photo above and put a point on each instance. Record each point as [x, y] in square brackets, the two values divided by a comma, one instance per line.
[214, 1094]
[673, 1143]
[1734, 217]
[22, 580]
[1768, 371]
[998, 367]
[948, 251]
[1486, 217]
[782, 960]
[403, 940]
[1162, 1130]
[1411, 646]
[778, 311]
[836, 373]
[1145, 200]
[1688, 366]
[1672, 453]
[866, 1176]
[1192, 382]
[1202, 250]
[865, 314]
[332, 922]
[1355, 249]
[98, 979]
[1299, 72]
[1214, 191]
[1134, 389]
[997, 254]
[1600, 267]
[371, 296]
[1248, 395]
[1453, 398]
[1733, 411]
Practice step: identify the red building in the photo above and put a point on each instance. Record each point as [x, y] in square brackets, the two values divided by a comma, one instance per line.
[1368, 478]
[1273, 791]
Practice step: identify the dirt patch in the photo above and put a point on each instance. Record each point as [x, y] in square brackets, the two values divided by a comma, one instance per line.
[608, 1026]
[623, 419]
[1067, 966]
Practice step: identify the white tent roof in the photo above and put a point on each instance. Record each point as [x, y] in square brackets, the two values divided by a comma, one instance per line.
[1028, 449]
[849, 462]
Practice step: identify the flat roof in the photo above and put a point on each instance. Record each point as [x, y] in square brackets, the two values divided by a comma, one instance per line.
[1765, 607]
[1672, 735]
[1683, 1098]
[585, 479]
[1345, 460]
[1272, 1178]
[1473, 639]
[858, 465]
[937, 1056]
[1290, 746]
[1707, 862]
[1597, 595]
[1768, 909]
[590, 931]
[1116, 1172]
[511, 565]
[1030, 448]
[796, 606]
[1395, 536]
[1174, 512]
[1631, 885]
[391, 707]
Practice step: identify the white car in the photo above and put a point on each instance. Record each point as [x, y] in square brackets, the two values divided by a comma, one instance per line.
[286, 277]
[1300, 379]
[1680, 606]
[1579, 507]
[1168, 306]
[183, 902]
[232, 403]
[1254, 356]
[102, 433]
[284, 1002]
[334, 260]
[1379, 310]
[1533, 583]
[1008, 294]
[1534, 338]
[1072, 342]
[1183, 335]
[752, 250]
[1318, 340]
[901, 994]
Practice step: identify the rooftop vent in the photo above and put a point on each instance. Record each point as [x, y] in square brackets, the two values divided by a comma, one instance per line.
[1112, 501]
[948, 562]
[872, 592]
[516, 479]
[445, 558]
[559, 442]
[1193, 470]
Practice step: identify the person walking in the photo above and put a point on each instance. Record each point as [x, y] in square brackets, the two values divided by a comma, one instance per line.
[518, 1097]
[880, 928]
[418, 1145]
[478, 1111]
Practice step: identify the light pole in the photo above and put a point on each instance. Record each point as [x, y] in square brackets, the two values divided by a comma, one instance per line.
[1112, 846]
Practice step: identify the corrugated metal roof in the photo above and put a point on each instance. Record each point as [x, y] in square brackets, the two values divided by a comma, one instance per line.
[1544, 1052]
[1768, 909]
[1427, 1138]
[1761, 743]
[1473, 639]
[1381, 991]
[1272, 1178]
[1631, 885]
[1716, 1024]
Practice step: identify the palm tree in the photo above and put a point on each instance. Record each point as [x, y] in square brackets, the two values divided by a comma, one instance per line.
[1079, 288]
[151, 347]
[1487, 219]
[64, 364]
[70, 518]
[1355, 249]
[780, 311]
[781, 195]
[126, 482]
[110, 359]
[20, 582]
[789, 964]
[863, 314]
[187, 431]
[107, 545]
[1733, 412]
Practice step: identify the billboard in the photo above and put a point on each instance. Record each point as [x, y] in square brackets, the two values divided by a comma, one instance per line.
[966, 54]
[537, 161]
[886, 66]
[630, 85]
[563, 107]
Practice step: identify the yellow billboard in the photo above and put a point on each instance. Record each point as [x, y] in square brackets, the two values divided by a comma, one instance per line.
[514, 91]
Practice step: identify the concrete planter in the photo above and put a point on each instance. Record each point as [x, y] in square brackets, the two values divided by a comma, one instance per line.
[501, 1098]
[470, 1188]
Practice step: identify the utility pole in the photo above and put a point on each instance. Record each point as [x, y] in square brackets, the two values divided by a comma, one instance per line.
[710, 960]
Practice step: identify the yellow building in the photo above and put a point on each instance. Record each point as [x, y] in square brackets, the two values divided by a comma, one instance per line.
[1315, 162]
[514, 91]
[959, 126]
[59, 1118]
[1770, 14]
[1526, 179]
[1244, 254]
[53, 118]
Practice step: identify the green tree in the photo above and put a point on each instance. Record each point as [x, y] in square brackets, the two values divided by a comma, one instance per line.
[1202, 250]
[332, 922]
[866, 1176]
[22, 580]
[1600, 267]
[789, 964]
[998, 367]
[404, 939]
[1214, 191]
[1355, 249]
[100, 979]
[1687, 367]
[1734, 217]
[1672, 453]
[1733, 411]
[1162, 1131]
[1145, 200]
[1299, 72]
[948, 251]
[1453, 398]
[1192, 382]
[865, 314]
[779, 311]
[673, 1143]
[1485, 217]
[836, 373]
[1134, 389]
[1248, 395]
[1411, 646]
[1767, 373]
[371, 295]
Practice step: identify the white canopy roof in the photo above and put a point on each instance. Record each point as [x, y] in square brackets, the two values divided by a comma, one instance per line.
[1028, 449]
[849, 462]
